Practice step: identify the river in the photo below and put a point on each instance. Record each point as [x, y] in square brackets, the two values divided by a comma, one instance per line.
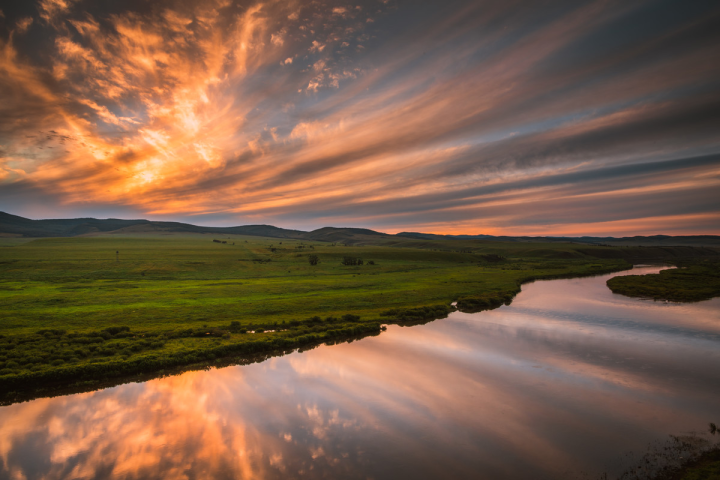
[563, 383]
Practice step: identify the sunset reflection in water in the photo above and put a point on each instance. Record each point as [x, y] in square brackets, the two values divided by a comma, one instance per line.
[565, 380]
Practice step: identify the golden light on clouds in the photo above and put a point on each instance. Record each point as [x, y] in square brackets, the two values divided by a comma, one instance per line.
[303, 114]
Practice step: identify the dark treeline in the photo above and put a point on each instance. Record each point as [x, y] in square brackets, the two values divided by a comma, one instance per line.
[355, 261]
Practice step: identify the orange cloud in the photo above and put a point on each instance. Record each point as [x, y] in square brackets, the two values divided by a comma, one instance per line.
[258, 111]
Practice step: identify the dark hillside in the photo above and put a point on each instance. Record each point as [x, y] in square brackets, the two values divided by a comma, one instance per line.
[13, 225]
[346, 235]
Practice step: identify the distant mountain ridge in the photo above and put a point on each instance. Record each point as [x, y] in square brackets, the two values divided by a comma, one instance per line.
[14, 225]
[654, 240]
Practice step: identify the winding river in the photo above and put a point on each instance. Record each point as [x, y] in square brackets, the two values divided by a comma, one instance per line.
[560, 384]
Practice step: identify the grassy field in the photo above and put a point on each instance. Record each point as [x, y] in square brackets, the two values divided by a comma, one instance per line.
[90, 308]
[693, 283]
[706, 467]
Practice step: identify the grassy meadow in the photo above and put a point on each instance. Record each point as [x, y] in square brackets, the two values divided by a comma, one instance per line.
[690, 283]
[84, 309]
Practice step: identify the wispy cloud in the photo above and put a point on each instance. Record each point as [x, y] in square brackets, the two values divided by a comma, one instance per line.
[269, 112]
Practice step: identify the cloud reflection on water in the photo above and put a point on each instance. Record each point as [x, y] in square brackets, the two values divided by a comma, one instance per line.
[541, 388]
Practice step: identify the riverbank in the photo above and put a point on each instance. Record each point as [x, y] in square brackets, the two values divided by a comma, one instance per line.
[705, 467]
[86, 310]
[691, 283]
[115, 355]
[579, 360]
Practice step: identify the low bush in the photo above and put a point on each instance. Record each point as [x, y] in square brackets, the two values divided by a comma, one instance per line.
[116, 330]
[49, 331]
[485, 302]
[417, 314]
[351, 261]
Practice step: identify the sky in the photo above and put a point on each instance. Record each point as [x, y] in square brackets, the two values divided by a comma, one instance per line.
[457, 117]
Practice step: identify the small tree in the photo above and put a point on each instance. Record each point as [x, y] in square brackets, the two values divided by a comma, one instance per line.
[313, 259]
[352, 261]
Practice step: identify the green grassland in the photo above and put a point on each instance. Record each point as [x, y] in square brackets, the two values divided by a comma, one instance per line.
[692, 283]
[72, 310]
[706, 467]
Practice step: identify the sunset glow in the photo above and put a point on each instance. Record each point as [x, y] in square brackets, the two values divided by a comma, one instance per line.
[546, 118]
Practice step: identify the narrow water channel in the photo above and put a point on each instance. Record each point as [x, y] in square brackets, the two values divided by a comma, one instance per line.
[560, 384]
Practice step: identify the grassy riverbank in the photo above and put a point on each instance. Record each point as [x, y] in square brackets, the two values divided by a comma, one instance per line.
[78, 310]
[691, 283]
[705, 467]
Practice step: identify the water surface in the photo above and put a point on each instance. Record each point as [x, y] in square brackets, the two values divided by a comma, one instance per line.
[566, 380]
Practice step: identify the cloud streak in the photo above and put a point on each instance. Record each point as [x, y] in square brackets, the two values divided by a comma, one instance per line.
[377, 114]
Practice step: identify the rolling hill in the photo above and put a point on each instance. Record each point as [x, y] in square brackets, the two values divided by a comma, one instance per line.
[16, 226]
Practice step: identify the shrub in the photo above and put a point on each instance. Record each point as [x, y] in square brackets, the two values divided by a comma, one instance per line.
[352, 261]
[212, 332]
[492, 257]
[420, 313]
[50, 331]
[116, 330]
[348, 317]
[313, 259]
